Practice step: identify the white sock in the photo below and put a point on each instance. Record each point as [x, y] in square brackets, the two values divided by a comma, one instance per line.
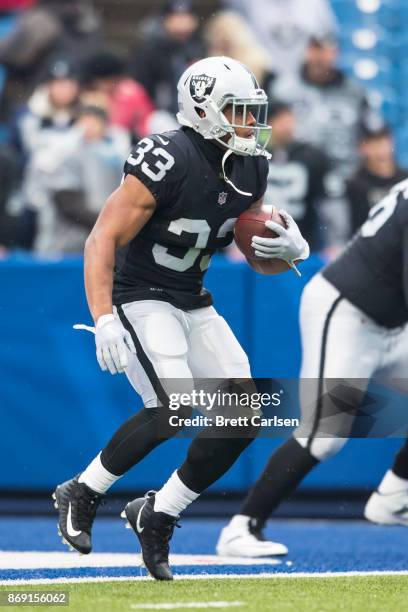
[96, 477]
[239, 521]
[391, 483]
[174, 496]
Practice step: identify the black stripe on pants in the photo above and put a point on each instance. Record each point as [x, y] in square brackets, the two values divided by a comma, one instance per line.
[144, 360]
[143, 431]
[323, 347]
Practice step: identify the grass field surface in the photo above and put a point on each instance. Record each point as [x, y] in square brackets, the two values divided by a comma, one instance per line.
[331, 565]
[368, 593]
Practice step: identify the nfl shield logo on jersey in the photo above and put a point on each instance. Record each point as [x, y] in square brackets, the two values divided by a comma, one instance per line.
[201, 86]
[222, 198]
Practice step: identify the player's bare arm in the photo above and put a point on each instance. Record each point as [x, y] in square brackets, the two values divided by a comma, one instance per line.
[123, 216]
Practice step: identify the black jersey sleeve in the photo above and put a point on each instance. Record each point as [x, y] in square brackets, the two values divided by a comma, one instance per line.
[160, 165]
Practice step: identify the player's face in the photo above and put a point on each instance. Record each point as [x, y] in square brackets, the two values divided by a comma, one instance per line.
[247, 120]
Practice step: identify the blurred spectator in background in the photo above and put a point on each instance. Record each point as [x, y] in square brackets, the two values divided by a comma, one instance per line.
[377, 173]
[166, 45]
[76, 177]
[50, 110]
[284, 27]
[38, 127]
[330, 107]
[126, 101]
[16, 5]
[9, 223]
[227, 33]
[62, 27]
[299, 174]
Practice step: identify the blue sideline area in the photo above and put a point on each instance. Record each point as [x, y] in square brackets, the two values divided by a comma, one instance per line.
[58, 409]
[314, 546]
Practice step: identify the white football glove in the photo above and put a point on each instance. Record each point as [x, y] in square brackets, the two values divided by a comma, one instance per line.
[113, 342]
[289, 245]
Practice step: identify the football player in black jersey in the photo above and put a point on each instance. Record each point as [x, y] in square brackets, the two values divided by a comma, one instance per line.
[177, 205]
[353, 320]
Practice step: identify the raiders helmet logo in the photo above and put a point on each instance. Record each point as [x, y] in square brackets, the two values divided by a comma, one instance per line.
[201, 86]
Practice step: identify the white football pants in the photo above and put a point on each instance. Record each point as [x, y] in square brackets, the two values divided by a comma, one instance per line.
[340, 343]
[180, 345]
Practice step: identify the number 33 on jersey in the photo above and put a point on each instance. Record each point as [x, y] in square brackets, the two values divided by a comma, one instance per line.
[195, 214]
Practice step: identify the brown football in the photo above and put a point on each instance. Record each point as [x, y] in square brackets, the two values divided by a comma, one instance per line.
[252, 223]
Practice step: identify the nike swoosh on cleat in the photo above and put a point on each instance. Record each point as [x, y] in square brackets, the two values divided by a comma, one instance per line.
[139, 528]
[164, 142]
[70, 529]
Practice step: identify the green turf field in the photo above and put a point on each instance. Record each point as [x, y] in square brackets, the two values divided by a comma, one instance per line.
[368, 594]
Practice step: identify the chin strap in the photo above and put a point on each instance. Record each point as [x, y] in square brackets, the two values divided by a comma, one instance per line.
[227, 153]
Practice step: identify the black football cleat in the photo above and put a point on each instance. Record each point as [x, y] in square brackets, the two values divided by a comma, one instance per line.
[77, 505]
[154, 531]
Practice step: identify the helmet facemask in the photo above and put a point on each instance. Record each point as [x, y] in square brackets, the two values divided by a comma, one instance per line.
[254, 145]
[257, 105]
[241, 108]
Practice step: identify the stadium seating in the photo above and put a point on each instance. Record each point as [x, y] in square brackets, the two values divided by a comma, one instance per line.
[373, 48]
[366, 12]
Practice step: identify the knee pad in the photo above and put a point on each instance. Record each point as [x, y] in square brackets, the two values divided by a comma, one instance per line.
[166, 345]
[323, 448]
[226, 352]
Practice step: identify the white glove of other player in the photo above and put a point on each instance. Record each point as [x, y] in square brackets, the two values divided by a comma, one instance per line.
[289, 245]
[113, 342]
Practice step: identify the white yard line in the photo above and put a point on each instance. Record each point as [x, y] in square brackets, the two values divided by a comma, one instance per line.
[187, 604]
[33, 581]
[22, 560]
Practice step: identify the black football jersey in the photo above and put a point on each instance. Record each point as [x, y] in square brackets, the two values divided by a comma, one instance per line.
[195, 214]
[372, 272]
